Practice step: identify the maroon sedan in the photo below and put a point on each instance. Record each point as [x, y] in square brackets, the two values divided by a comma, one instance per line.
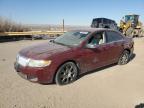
[62, 60]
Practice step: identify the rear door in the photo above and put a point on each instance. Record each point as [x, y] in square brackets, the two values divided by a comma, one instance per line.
[114, 41]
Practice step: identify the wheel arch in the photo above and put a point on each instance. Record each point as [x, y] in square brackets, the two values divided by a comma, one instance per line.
[76, 63]
[127, 49]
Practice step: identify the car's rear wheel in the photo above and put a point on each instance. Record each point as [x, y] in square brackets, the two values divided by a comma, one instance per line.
[67, 73]
[124, 58]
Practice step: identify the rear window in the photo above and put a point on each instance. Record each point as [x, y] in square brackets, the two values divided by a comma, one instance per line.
[113, 36]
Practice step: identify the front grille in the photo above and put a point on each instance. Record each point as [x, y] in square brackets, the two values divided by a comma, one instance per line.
[23, 75]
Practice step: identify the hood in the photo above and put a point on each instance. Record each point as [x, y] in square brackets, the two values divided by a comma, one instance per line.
[43, 51]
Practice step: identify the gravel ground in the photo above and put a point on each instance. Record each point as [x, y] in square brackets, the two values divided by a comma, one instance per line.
[112, 87]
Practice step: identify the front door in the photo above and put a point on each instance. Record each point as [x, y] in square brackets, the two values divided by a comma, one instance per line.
[93, 58]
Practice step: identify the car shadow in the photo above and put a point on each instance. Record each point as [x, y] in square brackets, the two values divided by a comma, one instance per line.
[132, 57]
[141, 105]
[96, 70]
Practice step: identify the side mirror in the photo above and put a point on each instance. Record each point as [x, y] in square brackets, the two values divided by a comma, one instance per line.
[52, 40]
[91, 46]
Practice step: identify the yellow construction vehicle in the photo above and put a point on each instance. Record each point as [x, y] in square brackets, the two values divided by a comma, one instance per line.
[131, 26]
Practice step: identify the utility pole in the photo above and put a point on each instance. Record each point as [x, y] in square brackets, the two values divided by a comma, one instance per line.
[63, 25]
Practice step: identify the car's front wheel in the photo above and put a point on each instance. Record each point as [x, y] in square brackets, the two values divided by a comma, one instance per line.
[124, 58]
[66, 74]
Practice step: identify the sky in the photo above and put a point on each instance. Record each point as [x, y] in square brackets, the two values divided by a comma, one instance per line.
[74, 12]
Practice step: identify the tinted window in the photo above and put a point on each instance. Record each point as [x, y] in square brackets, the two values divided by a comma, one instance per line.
[105, 21]
[109, 21]
[113, 36]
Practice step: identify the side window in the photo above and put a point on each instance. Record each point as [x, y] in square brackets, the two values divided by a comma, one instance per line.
[97, 39]
[104, 21]
[113, 36]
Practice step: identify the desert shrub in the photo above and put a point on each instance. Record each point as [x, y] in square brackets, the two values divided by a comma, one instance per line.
[6, 25]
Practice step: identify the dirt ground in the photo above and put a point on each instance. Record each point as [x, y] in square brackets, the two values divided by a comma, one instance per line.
[113, 87]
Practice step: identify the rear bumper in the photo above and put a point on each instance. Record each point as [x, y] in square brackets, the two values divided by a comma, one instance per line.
[38, 75]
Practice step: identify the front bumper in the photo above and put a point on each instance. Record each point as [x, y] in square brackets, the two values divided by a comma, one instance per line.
[39, 75]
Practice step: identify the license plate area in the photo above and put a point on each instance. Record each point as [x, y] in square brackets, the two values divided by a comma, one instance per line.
[23, 75]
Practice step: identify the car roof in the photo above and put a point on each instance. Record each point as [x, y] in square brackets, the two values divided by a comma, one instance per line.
[95, 19]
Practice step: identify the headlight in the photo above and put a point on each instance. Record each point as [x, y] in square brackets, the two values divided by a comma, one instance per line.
[39, 63]
[17, 56]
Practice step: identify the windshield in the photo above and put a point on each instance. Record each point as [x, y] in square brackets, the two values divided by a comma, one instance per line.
[129, 18]
[72, 38]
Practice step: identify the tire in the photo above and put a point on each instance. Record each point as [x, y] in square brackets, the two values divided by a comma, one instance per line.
[124, 58]
[67, 73]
